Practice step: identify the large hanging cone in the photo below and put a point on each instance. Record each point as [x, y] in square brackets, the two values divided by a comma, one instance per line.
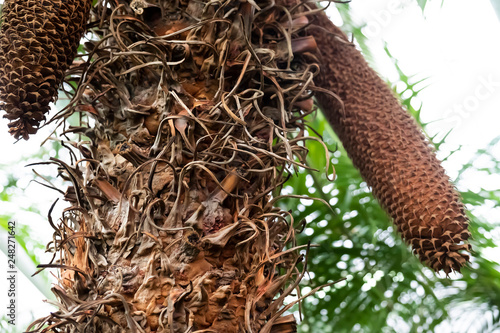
[391, 152]
[38, 41]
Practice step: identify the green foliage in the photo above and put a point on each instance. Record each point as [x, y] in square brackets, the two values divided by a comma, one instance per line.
[496, 6]
[5, 327]
[386, 287]
[22, 238]
[28, 247]
[422, 3]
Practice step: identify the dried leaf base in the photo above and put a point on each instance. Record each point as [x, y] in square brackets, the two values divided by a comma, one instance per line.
[195, 117]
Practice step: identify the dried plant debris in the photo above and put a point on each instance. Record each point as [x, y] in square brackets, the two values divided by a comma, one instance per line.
[38, 41]
[391, 152]
[193, 114]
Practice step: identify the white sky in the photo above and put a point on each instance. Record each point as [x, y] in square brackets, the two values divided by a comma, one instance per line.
[456, 46]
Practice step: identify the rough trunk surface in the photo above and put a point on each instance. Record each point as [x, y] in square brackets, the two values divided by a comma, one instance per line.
[192, 115]
[391, 152]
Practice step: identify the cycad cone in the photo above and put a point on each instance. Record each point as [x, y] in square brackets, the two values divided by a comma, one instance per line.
[387, 146]
[38, 41]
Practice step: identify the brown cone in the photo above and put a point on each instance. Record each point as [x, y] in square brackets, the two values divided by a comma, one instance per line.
[38, 41]
[387, 146]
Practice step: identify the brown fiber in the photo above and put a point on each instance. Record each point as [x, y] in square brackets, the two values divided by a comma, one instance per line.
[193, 117]
[391, 152]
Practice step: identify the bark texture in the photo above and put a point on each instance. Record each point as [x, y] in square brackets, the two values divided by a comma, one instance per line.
[192, 115]
[391, 152]
[38, 41]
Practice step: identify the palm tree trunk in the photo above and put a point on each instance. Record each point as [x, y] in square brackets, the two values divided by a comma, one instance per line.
[192, 117]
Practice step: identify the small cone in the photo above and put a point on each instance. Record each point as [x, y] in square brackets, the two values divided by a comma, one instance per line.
[38, 41]
[387, 146]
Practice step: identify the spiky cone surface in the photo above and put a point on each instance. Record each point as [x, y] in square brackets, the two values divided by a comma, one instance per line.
[387, 146]
[197, 112]
[38, 41]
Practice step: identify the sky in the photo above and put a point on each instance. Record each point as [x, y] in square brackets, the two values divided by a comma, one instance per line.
[454, 45]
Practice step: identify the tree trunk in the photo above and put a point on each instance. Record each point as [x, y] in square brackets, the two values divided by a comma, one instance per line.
[191, 117]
